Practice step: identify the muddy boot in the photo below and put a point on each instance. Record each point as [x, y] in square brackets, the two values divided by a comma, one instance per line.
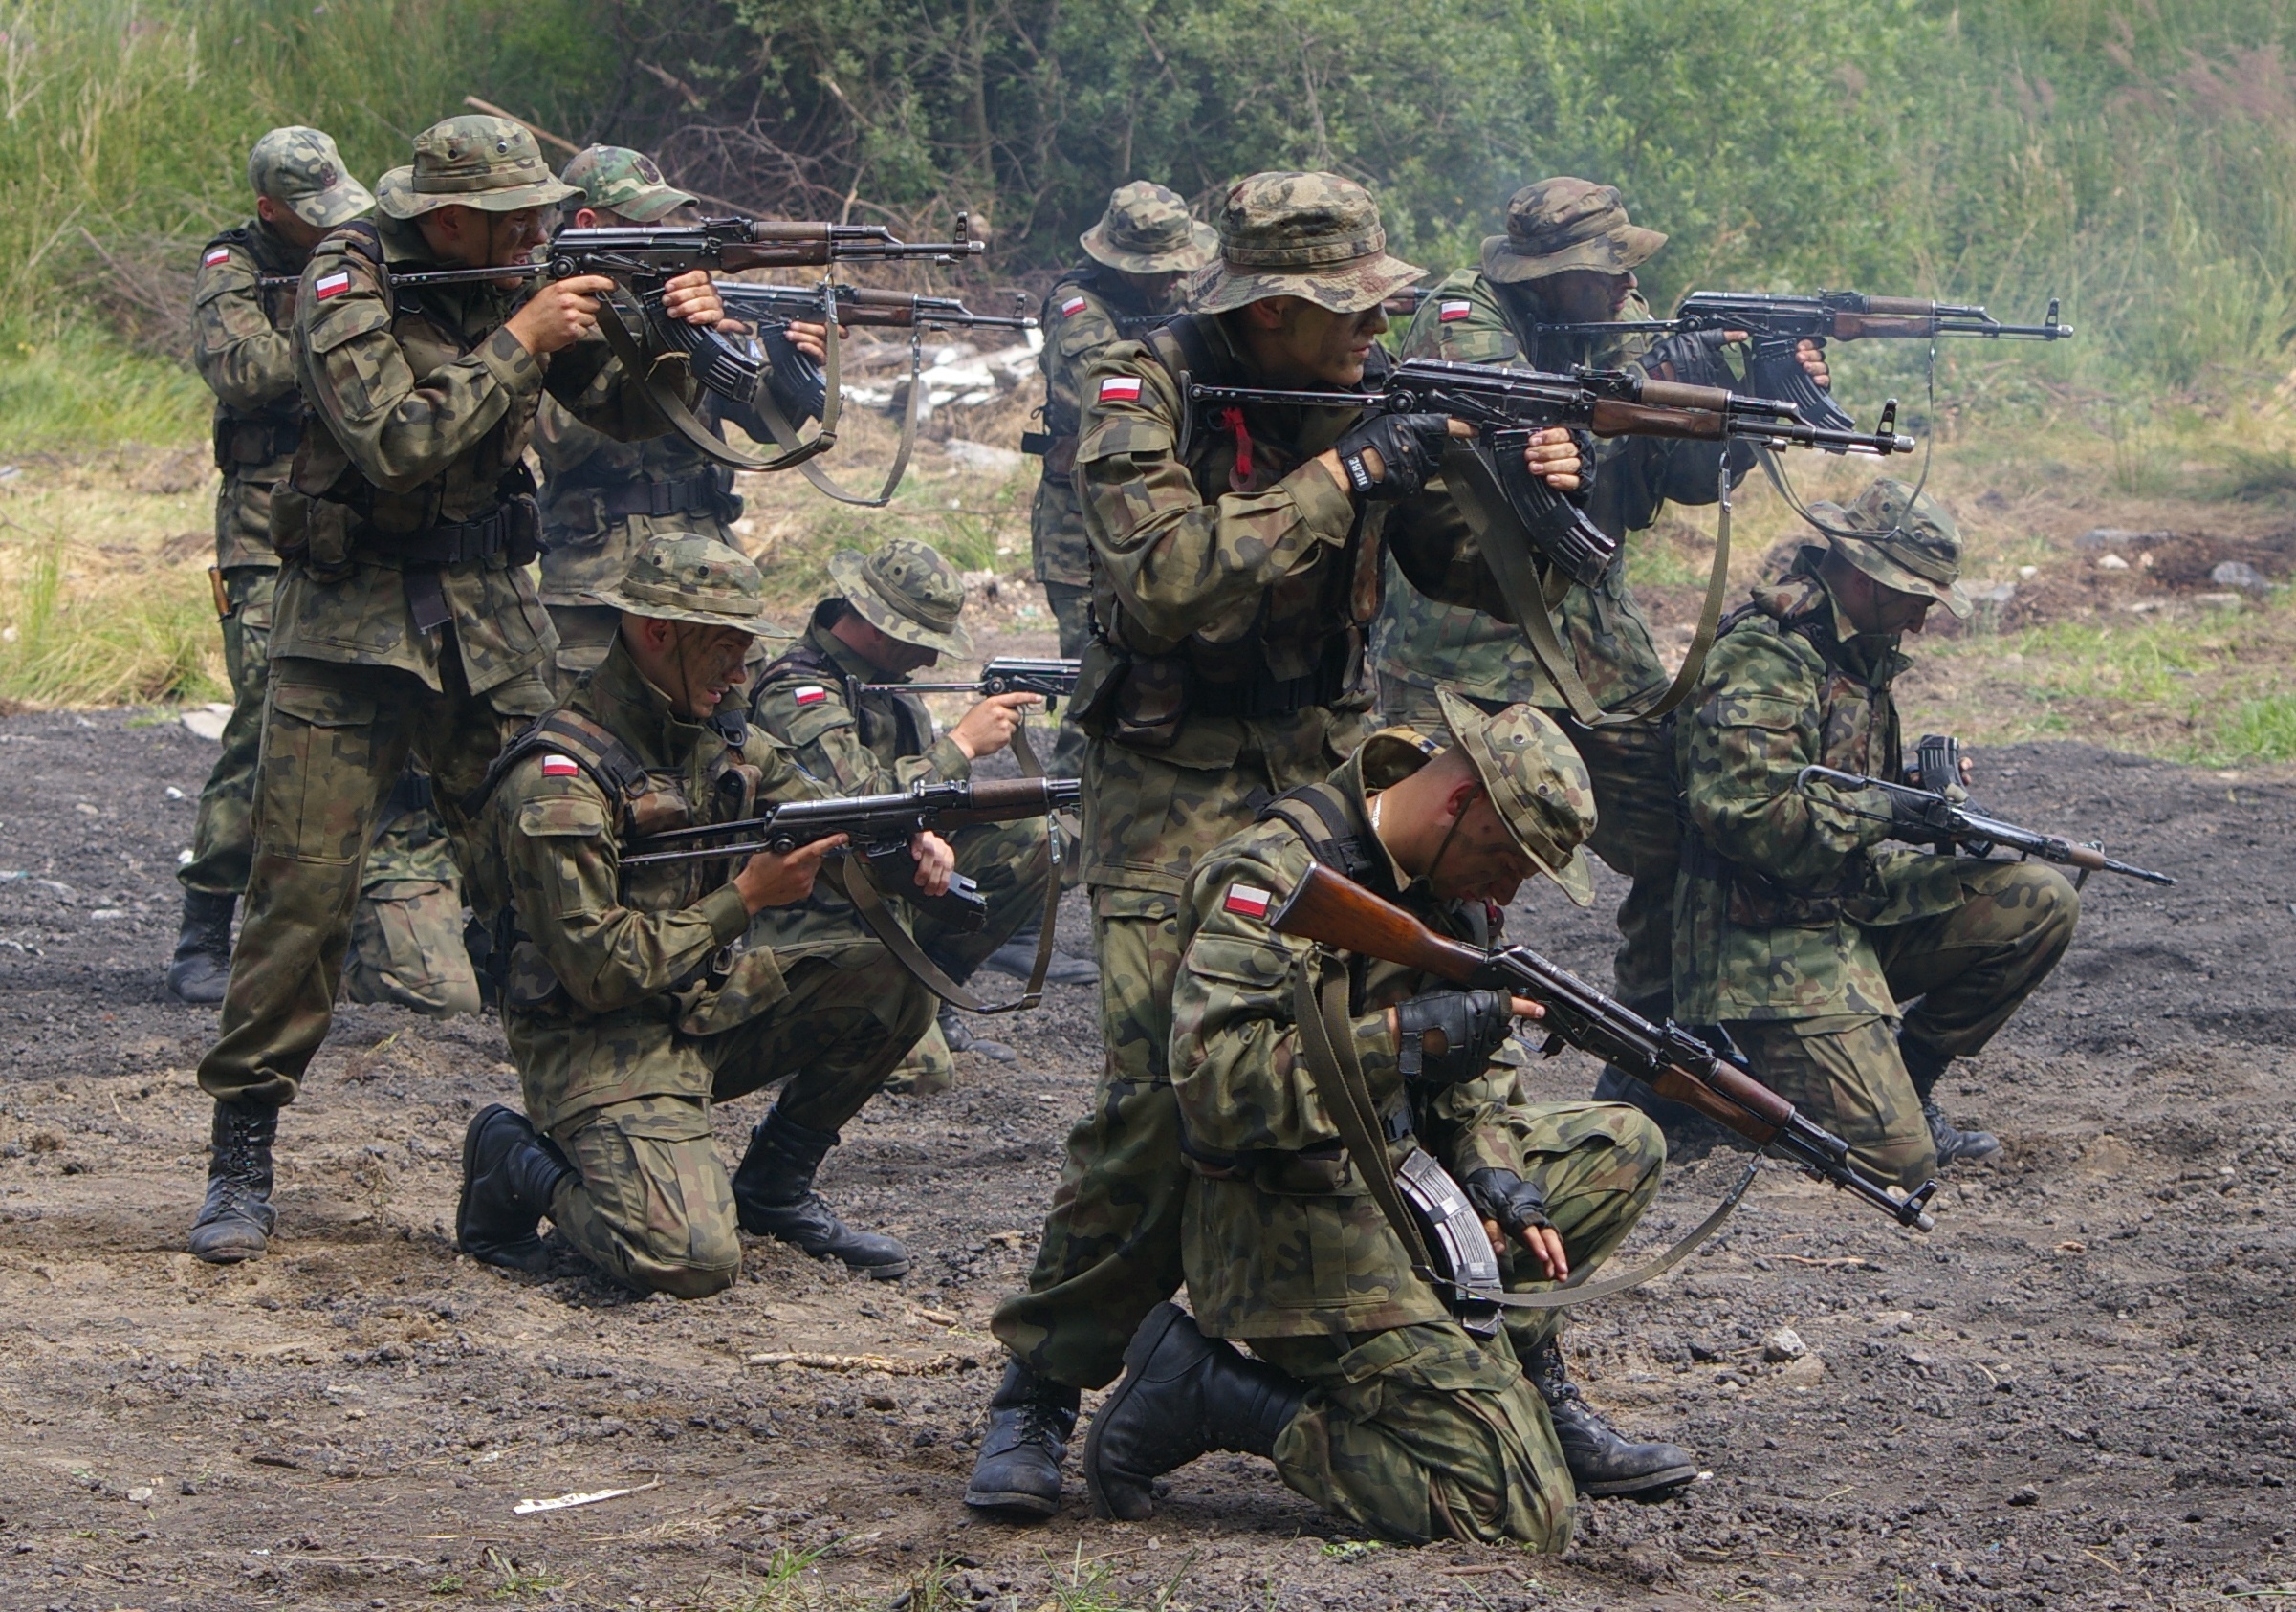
[774, 1195]
[1952, 1142]
[1018, 957]
[510, 1174]
[236, 1220]
[202, 965]
[961, 1039]
[1604, 1465]
[1183, 1395]
[1018, 1469]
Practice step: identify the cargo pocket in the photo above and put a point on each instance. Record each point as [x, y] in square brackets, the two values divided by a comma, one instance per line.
[316, 778]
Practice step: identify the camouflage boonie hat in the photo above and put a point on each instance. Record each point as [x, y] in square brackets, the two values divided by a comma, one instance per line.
[684, 576]
[1536, 783]
[625, 180]
[490, 164]
[1314, 235]
[1900, 540]
[300, 169]
[1147, 231]
[1561, 224]
[907, 591]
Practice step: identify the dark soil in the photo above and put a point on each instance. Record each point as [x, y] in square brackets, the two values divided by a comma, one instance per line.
[2077, 1391]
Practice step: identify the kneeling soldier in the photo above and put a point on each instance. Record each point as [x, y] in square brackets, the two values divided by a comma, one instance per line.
[1796, 928]
[1371, 1397]
[629, 1005]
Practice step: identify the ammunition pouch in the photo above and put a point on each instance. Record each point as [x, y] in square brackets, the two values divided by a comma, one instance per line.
[1140, 700]
[244, 441]
[677, 496]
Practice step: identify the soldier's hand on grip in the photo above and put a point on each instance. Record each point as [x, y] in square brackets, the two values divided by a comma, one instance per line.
[1446, 1037]
[1514, 1210]
[558, 314]
[1390, 456]
[775, 879]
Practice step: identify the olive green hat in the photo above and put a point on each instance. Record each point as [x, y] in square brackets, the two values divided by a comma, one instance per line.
[684, 576]
[623, 181]
[1314, 235]
[1537, 784]
[490, 164]
[1147, 231]
[1900, 540]
[1561, 224]
[300, 169]
[907, 591]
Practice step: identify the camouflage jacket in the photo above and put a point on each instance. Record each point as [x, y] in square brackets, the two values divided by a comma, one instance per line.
[1778, 889]
[612, 977]
[1419, 641]
[243, 346]
[419, 406]
[810, 699]
[1081, 317]
[1279, 1236]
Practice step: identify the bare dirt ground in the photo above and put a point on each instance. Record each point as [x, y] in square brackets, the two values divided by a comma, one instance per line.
[2077, 1391]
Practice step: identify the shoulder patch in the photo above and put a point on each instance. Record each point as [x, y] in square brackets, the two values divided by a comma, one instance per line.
[215, 255]
[1448, 311]
[1120, 388]
[1071, 308]
[331, 285]
[561, 767]
[809, 694]
[1248, 900]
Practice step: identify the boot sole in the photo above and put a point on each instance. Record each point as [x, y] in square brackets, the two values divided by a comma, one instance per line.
[1649, 1491]
[462, 1197]
[1144, 1343]
[1010, 1500]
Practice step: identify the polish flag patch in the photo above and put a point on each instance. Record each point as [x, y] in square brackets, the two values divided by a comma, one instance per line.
[561, 767]
[331, 285]
[1447, 312]
[812, 694]
[1120, 388]
[215, 255]
[1249, 902]
[1071, 308]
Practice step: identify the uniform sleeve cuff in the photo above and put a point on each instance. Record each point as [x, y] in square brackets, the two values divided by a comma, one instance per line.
[1325, 509]
[507, 360]
[946, 762]
[727, 917]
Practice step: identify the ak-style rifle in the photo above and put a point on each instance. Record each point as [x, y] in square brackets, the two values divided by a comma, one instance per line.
[1924, 816]
[860, 305]
[1052, 677]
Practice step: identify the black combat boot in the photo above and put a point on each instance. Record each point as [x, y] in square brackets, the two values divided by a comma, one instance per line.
[510, 1174]
[1925, 1068]
[1604, 1465]
[1018, 957]
[960, 1038]
[1018, 1469]
[202, 965]
[236, 1220]
[1183, 1395]
[774, 1195]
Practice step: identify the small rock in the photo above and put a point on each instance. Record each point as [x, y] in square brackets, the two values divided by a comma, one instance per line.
[140, 1494]
[2239, 573]
[2112, 563]
[2028, 572]
[2108, 538]
[1783, 1346]
[2219, 602]
[2025, 1495]
[207, 721]
[1808, 1369]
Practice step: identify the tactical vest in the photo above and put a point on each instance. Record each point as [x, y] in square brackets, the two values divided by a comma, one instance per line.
[246, 439]
[898, 720]
[1303, 644]
[658, 477]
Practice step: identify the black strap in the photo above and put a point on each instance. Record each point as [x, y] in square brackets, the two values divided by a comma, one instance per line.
[612, 765]
[853, 873]
[1320, 819]
[671, 496]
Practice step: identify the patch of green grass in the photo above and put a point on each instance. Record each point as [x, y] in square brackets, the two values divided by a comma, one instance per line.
[2253, 474]
[514, 1579]
[2255, 730]
[84, 388]
[110, 642]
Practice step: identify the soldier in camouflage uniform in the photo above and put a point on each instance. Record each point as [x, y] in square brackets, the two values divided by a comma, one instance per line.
[1139, 257]
[898, 611]
[602, 498]
[1372, 1397]
[1234, 572]
[1569, 256]
[407, 621]
[635, 1000]
[406, 935]
[1796, 928]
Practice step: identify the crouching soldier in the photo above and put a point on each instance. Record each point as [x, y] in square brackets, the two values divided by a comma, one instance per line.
[630, 1002]
[1370, 1395]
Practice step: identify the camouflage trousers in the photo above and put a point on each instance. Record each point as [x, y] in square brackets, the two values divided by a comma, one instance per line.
[1071, 608]
[336, 738]
[406, 935]
[586, 633]
[222, 842]
[650, 1202]
[1422, 1433]
[1970, 968]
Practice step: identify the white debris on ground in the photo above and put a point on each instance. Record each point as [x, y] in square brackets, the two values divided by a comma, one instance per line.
[953, 373]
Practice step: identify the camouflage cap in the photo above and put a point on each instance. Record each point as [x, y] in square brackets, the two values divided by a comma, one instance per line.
[1561, 224]
[1147, 231]
[1536, 783]
[1314, 235]
[625, 180]
[490, 164]
[1899, 540]
[300, 169]
[907, 591]
[686, 576]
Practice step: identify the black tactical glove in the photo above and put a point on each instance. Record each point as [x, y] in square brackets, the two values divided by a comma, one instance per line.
[1692, 358]
[1503, 1196]
[1474, 1023]
[1410, 447]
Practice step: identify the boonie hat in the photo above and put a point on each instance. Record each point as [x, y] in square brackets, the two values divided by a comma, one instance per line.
[686, 576]
[1148, 230]
[300, 169]
[1561, 223]
[1315, 236]
[490, 164]
[625, 180]
[1536, 783]
[1900, 540]
[907, 591]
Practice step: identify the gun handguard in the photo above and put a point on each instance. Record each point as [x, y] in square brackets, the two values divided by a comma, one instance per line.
[927, 808]
[1336, 912]
[1952, 824]
[1050, 676]
[860, 306]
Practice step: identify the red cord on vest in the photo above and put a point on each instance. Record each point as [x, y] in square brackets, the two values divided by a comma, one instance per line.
[1233, 418]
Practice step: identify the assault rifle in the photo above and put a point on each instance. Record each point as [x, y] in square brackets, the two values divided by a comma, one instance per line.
[1778, 325]
[1926, 817]
[1008, 674]
[860, 305]
[1507, 406]
[1340, 913]
[879, 828]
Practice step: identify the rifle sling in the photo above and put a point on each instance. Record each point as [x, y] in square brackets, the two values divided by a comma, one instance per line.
[665, 398]
[1025, 755]
[785, 435]
[1328, 1048]
[860, 889]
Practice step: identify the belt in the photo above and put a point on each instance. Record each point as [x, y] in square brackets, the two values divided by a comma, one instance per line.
[673, 497]
[454, 542]
[1273, 696]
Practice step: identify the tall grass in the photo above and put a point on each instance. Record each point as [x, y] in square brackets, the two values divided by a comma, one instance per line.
[119, 639]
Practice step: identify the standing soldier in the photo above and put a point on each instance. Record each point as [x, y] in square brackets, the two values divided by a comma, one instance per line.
[602, 498]
[1138, 256]
[1798, 930]
[1569, 256]
[407, 623]
[899, 610]
[1235, 569]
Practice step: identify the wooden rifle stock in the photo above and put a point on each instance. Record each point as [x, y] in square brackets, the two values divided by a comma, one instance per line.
[1851, 327]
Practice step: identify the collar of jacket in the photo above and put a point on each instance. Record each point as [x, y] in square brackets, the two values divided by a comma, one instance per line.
[619, 697]
[843, 654]
[1381, 761]
[273, 252]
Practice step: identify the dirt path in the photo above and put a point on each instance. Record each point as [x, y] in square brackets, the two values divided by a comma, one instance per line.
[2077, 1391]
